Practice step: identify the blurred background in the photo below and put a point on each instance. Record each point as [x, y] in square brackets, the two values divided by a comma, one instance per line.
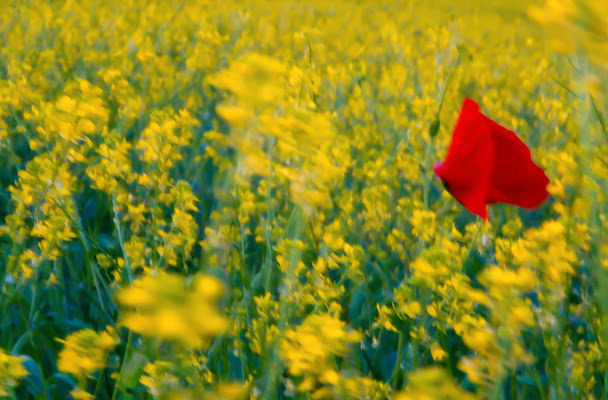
[235, 199]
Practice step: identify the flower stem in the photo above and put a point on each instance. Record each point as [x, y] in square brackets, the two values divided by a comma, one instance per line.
[395, 374]
[122, 367]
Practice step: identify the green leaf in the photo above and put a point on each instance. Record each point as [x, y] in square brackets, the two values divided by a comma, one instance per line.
[133, 370]
[34, 379]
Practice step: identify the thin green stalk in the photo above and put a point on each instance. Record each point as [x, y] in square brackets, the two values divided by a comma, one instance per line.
[434, 128]
[217, 342]
[396, 369]
[383, 277]
[122, 367]
[78, 224]
[605, 382]
[600, 119]
[272, 370]
[32, 307]
[84, 237]
[121, 240]
[497, 388]
[427, 178]
[560, 365]
[246, 277]
[447, 84]
[98, 384]
[451, 360]
[315, 243]
[130, 281]
[473, 243]
[268, 227]
[538, 383]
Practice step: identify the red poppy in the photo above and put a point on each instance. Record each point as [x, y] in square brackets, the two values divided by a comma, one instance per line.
[487, 163]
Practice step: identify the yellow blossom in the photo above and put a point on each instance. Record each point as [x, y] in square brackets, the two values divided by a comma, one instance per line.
[85, 351]
[168, 307]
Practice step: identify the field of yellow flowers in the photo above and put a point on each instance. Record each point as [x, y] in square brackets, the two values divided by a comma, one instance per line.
[236, 200]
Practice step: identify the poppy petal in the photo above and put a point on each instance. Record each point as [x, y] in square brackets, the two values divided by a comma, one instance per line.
[468, 164]
[515, 179]
[487, 163]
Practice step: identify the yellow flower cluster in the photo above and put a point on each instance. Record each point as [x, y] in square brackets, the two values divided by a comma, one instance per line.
[573, 23]
[432, 383]
[11, 372]
[169, 307]
[85, 351]
[276, 128]
[310, 349]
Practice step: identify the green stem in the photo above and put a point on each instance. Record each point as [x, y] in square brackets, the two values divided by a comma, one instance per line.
[473, 244]
[84, 237]
[395, 374]
[427, 178]
[541, 390]
[600, 118]
[272, 372]
[121, 240]
[560, 364]
[122, 367]
[314, 237]
[447, 84]
[268, 233]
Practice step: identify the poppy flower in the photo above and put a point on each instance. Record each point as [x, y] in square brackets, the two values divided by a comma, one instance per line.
[487, 163]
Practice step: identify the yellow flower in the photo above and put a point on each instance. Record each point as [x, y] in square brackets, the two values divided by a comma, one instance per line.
[308, 349]
[169, 307]
[498, 279]
[383, 320]
[79, 394]
[423, 224]
[234, 115]
[85, 351]
[11, 372]
[252, 79]
[438, 353]
[411, 309]
[432, 383]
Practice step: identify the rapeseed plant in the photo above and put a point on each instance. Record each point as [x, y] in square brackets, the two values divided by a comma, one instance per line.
[11, 373]
[229, 200]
